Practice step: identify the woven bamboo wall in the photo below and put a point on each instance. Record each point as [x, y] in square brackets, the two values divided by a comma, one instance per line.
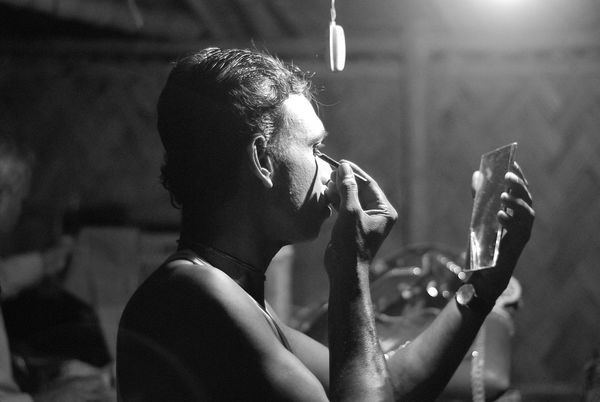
[91, 121]
[91, 125]
[547, 99]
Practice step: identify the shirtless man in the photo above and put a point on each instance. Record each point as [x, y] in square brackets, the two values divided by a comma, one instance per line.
[242, 143]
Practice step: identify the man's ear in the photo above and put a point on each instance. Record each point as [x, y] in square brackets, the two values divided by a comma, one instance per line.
[260, 160]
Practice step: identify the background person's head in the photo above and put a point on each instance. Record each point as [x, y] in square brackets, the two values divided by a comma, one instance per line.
[213, 105]
[15, 175]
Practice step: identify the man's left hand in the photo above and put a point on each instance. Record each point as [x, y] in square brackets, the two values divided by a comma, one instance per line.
[516, 218]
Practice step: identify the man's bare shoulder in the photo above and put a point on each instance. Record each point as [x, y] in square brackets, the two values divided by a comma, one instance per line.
[199, 278]
[194, 313]
[194, 319]
[177, 286]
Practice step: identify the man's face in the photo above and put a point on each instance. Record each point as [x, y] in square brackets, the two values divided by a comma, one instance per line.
[300, 178]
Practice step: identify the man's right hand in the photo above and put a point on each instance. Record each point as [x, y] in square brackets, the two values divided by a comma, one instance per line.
[365, 217]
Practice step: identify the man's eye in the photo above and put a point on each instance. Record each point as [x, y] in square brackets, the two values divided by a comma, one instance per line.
[318, 147]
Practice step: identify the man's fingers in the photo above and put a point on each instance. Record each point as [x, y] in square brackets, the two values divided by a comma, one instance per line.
[347, 188]
[358, 170]
[476, 182]
[519, 208]
[517, 219]
[518, 188]
[378, 193]
[519, 172]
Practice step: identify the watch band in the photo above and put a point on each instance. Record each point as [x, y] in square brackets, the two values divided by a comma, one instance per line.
[466, 297]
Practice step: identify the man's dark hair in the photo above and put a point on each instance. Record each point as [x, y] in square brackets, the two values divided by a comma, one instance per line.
[213, 104]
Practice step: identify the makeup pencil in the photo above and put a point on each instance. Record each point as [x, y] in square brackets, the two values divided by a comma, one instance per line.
[335, 164]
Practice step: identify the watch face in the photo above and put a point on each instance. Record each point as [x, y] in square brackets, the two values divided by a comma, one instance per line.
[465, 294]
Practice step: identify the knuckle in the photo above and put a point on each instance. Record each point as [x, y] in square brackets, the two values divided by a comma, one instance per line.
[354, 211]
[349, 182]
[350, 210]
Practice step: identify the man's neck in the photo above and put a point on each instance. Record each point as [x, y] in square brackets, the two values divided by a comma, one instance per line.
[238, 248]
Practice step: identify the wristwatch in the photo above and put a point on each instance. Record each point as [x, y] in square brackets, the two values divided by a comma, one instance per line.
[466, 297]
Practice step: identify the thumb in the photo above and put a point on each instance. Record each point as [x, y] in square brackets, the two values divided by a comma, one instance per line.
[347, 188]
[476, 182]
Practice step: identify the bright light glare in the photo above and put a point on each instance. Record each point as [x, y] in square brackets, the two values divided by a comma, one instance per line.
[506, 17]
[506, 3]
[501, 4]
[432, 291]
[508, 13]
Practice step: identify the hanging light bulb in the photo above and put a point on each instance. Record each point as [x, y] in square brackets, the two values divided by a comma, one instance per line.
[337, 43]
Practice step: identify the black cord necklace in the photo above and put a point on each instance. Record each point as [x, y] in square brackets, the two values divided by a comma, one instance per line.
[208, 250]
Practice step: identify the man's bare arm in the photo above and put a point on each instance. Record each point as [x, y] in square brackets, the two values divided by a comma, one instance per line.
[365, 217]
[421, 370]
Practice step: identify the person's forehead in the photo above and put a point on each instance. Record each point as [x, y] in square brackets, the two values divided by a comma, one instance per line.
[300, 119]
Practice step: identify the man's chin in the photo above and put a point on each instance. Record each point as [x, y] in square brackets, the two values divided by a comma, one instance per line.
[329, 211]
[311, 233]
